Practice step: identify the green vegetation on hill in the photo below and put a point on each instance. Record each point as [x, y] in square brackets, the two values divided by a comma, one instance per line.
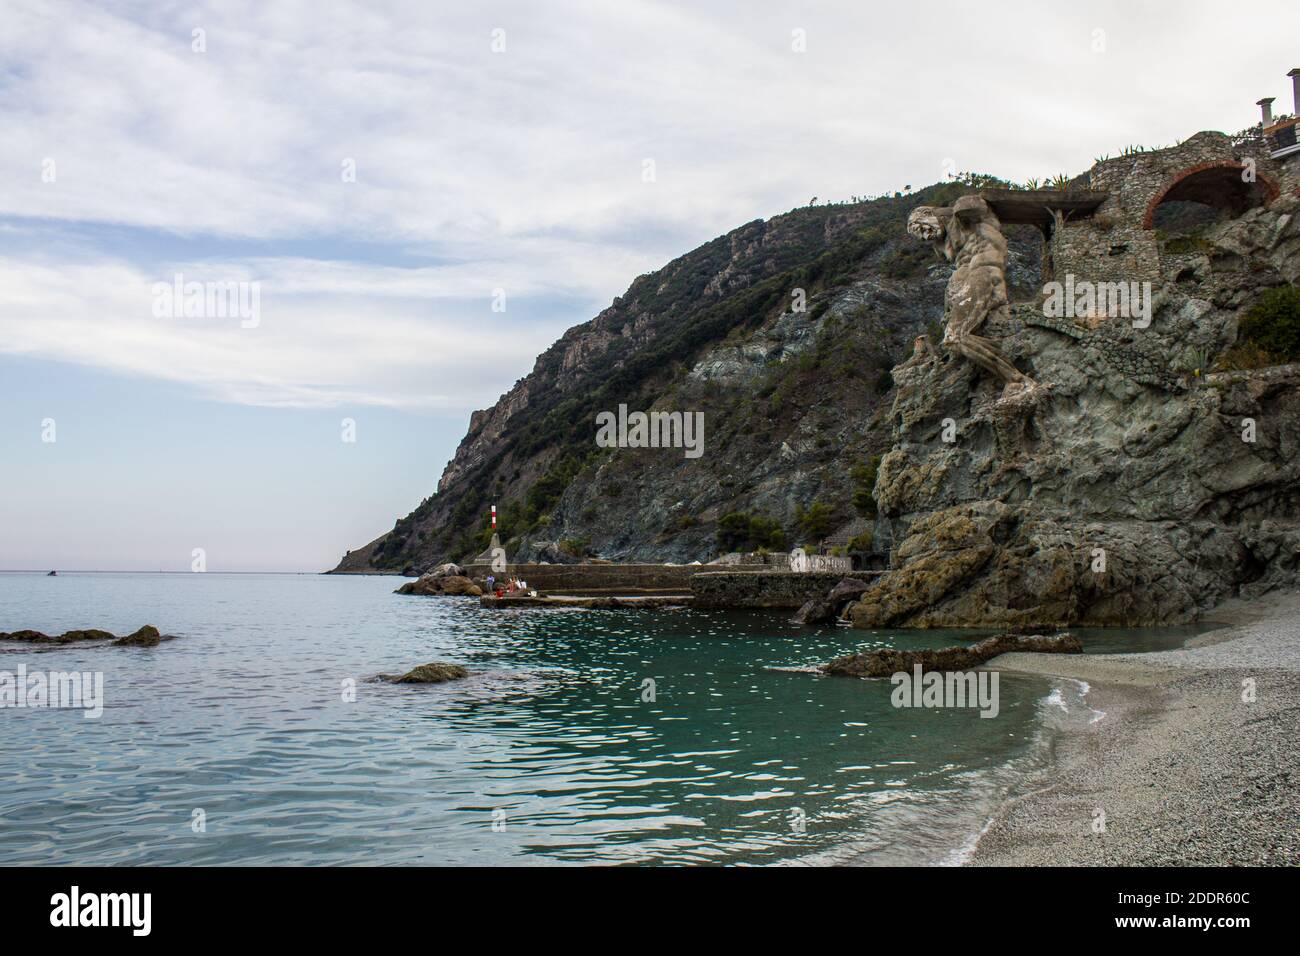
[743, 532]
[1273, 323]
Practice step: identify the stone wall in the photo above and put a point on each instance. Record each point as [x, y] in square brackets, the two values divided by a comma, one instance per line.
[761, 589]
[1289, 174]
[1098, 251]
[597, 578]
[1117, 243]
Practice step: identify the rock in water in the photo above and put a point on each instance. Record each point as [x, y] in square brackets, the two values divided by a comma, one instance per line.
[147, 636]
[887, 660]
[31, 637]
[460, 585]
[435, 585]
[849, 589]
[827, 610]
[68, 637]
[435, 673]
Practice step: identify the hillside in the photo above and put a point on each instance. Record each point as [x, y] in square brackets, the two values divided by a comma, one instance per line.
[788, 396]
[1151, 476]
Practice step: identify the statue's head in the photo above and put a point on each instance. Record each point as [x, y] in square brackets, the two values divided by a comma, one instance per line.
[928, 223]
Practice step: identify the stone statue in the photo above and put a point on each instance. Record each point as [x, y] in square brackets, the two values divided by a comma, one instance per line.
[969, 234]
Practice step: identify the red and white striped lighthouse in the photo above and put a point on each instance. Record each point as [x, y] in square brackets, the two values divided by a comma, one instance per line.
[494, 517]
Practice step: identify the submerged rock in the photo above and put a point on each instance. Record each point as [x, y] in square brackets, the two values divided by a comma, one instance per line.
[434, 673]
[887, 660]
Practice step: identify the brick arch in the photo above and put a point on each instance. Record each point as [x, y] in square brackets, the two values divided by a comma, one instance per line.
[1214, 184]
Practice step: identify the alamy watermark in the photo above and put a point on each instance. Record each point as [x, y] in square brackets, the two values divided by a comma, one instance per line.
[180, 299]
[129, 910]
[1073, 299]
[949, 689]
[75, 690]
[651, 430]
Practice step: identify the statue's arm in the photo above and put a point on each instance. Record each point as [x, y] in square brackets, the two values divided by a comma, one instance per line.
[970, 209]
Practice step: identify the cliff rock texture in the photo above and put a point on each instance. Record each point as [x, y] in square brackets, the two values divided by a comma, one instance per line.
[1131, 490]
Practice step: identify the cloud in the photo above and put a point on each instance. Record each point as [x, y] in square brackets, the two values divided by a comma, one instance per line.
[325, 334]
[519, 169]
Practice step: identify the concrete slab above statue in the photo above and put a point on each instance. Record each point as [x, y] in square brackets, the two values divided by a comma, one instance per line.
[969, 235]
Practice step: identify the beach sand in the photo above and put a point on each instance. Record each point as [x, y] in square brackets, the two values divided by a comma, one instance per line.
[1184, 770]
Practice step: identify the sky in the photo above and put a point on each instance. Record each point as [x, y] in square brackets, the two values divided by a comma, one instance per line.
[410, 201]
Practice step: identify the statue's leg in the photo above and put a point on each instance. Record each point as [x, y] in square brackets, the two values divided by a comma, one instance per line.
[972, 295]
[985, 354]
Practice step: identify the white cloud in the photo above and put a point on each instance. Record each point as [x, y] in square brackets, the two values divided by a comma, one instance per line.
[326, 333]
[523, 169]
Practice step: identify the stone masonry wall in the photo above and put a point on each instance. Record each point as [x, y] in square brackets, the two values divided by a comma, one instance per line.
[1117, 243]
[761, 589]
[597, 577]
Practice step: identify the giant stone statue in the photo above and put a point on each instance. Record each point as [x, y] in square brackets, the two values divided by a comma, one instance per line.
[969, 235]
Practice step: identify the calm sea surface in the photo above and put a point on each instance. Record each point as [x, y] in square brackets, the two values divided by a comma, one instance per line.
[547, 754]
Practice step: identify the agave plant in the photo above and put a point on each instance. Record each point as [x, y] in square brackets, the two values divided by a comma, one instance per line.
[1198, 360]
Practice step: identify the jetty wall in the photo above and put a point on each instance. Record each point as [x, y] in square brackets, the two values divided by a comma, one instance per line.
[597, 578]
[761, 589]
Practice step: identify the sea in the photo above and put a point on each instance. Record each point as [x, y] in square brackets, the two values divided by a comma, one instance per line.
[262, 736]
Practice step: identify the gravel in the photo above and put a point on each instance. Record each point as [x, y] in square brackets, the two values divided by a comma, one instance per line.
[1183, 769]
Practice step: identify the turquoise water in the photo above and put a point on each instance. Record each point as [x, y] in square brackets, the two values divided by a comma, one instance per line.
[546, 754]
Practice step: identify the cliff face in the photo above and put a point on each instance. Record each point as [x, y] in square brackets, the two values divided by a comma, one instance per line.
[789, 389]
[1131, 490]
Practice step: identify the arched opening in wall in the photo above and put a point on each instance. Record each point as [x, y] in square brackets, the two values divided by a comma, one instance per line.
[1203, 195]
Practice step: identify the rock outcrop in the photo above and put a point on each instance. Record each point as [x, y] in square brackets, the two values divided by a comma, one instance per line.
[1128, 490]
[446, 580]
[886, 661]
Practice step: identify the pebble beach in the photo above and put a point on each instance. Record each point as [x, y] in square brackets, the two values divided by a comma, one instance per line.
[1192, 759]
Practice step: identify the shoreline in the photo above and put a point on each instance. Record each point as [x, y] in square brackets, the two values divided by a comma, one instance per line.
[1179, 770]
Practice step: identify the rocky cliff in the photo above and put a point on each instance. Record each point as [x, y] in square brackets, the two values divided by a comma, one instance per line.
[1135, 487]
[781, 332]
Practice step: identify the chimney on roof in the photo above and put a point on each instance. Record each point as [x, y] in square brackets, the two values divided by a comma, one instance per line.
[1266, 108]
[1295, 88]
